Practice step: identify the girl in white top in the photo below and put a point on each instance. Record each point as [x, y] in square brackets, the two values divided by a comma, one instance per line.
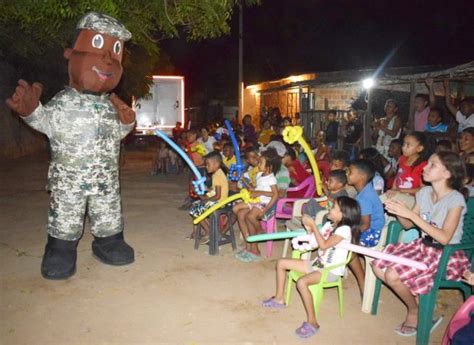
[206, 140]
[249, 214]
[345, 218]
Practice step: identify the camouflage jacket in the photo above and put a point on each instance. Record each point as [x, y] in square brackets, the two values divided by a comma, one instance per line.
[84, 133]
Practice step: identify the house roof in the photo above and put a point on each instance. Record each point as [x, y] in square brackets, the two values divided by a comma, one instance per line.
[387, 77]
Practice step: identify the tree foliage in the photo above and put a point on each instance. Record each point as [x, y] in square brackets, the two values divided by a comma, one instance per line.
[35, 32]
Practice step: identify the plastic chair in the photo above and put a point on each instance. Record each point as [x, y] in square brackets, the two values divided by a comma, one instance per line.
[297, 212]
[284, 210]
[216, 237]
[460, 319]
[317, 290]
[370, 278]
[427, 302]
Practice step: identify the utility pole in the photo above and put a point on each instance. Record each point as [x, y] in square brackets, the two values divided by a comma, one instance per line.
[241, 74]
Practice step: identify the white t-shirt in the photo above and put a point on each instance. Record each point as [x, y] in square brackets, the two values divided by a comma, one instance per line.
[463, 121]
[378, 183]
[208, 144]
[264, 184]
[333, 256]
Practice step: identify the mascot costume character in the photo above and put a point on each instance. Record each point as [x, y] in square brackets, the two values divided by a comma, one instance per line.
[84, 125]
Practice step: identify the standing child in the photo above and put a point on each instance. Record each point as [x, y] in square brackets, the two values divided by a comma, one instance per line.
[250, 134]
[248, 214]
[160, 163]
[438, 213]
[344, 225]
[219, 191]
[416, 150]
[361, 173]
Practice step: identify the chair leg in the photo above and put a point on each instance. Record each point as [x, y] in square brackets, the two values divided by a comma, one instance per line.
[285, 248]
[270, 227]
[317, 292]
[375, 302]
[289, 288]
[369, 287]
[197, 236]
[340, 298]
[214, 235]
[425, 317]
[232, 236]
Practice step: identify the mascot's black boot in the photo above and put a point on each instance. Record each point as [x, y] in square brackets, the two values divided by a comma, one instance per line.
[113, 250]
[59, 259]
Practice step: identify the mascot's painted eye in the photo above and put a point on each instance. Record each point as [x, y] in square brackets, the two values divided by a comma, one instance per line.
[117, 47]
[98, 41]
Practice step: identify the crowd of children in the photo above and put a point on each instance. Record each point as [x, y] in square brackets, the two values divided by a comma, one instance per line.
[421, 179]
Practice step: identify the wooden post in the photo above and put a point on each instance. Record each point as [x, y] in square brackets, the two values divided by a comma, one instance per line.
[411, 114]
[367, 124]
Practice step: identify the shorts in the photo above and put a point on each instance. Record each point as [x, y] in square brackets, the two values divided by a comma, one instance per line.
[260, 205]
[310, 269]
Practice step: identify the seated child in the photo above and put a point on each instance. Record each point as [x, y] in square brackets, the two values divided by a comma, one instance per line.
[435, 122]
[394, 153]
[381, 166]
[439, 212]
[283, 175]
[340, 160]
[360, 176]
[248, 214]
[333, 188]
[228, 155]
[321, 151]
[297, 172]
[344, 225]
[219, 191]
[252, 158]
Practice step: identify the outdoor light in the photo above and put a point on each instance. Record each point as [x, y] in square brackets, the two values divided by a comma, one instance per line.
[368, 83]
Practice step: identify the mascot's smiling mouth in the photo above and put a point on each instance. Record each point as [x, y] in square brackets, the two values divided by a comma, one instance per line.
[102, 75]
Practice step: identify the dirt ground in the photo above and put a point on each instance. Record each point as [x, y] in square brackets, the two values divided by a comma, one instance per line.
[172, 294]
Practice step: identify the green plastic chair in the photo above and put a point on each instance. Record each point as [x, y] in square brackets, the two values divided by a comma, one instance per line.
[317, 290]
[427, 302]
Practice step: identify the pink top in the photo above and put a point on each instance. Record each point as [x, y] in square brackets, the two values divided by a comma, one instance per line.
[421, 118]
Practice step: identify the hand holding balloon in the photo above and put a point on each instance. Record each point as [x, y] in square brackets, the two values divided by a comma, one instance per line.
[200, 183]
[236, 170]
[305, 242]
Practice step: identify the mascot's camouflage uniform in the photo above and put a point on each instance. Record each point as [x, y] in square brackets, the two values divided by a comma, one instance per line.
[84, 125]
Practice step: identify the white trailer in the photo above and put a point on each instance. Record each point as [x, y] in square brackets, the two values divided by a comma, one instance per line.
[163, 107]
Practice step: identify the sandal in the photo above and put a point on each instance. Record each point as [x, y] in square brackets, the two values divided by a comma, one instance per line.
[244, 256]
[273, 304]
[204, 240]
[306, 330]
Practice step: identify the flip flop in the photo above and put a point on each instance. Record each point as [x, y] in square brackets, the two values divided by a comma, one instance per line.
[306, 330]
[244, 256]
[273, 304]
[434, 324]
[410, 330]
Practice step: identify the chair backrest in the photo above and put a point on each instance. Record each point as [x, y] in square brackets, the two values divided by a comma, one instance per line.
[307, 183]
[468, 229]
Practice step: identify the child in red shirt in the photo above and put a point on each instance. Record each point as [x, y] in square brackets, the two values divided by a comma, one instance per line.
[297, 172]
[416, 151]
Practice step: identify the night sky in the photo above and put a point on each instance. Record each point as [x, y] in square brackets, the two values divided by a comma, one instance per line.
[286, 37]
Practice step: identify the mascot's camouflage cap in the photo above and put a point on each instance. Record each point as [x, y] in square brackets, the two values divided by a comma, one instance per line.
[104, 24]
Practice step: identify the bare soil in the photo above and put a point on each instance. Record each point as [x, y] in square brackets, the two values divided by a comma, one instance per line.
[172, 294]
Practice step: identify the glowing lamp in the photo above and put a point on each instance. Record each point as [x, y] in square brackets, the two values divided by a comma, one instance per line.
[368, 83]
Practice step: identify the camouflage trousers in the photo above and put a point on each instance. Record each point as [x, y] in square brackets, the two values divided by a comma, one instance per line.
[68, 210]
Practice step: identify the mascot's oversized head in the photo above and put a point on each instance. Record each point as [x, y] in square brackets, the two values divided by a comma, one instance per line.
[95, 59]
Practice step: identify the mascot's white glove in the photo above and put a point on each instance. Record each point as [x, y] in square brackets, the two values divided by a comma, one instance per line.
[305, 242]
